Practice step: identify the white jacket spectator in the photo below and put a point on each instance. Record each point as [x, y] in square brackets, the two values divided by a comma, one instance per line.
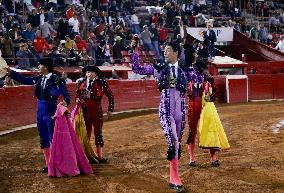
[73, 21]
[280, 45]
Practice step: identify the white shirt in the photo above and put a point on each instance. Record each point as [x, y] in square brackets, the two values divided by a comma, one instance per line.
[280, 46]
[88, 82]
[74, 23]
[42, 19]
[45, 78]
[134, 19]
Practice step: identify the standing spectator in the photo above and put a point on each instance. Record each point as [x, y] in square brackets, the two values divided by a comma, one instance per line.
[155, 39]
[45, 29]
[74, 22]
[135, 23]
[263, 34]
[100, 53]
[146, 38]
[117, 48]
[163, 33]
[212, 38]
[28, 33]
[280, 45]
[34, 18]
[62, 29]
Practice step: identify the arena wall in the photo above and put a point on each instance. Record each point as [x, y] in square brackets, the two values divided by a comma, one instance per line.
[18, 104]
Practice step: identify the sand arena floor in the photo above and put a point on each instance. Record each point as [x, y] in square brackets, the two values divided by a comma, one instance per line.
[136, 151]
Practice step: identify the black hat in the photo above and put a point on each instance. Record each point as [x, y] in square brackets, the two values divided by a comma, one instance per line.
[47, 62]
[93, 69]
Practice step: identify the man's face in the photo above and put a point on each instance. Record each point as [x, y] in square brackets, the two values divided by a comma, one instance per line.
[91, 75]
[42, 69]
[170, 55]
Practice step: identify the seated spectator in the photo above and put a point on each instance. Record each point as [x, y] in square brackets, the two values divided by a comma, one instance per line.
[80, 43]
[85, 59]
[65, 78]
[57, 58]
[23, 56]
[40, 44]
[70, 44]
[73, 58]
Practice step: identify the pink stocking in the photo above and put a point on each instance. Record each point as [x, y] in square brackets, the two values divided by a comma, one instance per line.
[100, 152]
[46, 152]
[174, 176]
[191, 148]
[213, 154]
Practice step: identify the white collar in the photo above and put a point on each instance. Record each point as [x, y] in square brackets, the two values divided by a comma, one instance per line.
[48, 75]
[175, 64]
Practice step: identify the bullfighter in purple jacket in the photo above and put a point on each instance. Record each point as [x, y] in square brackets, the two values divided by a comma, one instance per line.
[173, 78]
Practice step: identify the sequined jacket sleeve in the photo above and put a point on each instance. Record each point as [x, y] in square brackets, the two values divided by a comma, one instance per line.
[140, 69]
[109, 95]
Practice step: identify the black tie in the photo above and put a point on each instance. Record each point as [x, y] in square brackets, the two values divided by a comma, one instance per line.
[90, 85]
[174, 71]
[43, 81]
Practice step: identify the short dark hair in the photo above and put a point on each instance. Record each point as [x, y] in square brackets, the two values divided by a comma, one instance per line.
[47, 62]
[175, 47]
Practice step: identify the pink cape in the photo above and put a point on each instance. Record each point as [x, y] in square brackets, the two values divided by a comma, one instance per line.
[67, 157]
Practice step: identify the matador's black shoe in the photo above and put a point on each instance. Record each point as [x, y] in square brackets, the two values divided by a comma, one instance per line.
[103, 161]
[44, 170]
[216, 163]
[177, 188]
[192, 163]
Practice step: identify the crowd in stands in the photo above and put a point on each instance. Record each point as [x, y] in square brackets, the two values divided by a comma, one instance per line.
[85, 32]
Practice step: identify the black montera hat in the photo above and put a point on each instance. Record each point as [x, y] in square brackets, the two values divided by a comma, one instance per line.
[47, 62]
[93, 69]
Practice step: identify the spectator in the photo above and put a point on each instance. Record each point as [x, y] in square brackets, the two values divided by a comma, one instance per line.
[7, 48]
[263, 34]
[155, 39]
[117, 48]
[74, 22]
[70, 44]
[34, 18]
[146, 38]
[85, 59]
[65, 78]
[29, 34]
[46, 30]
[100, 53]
[40, 44]
[23, 56]
[135, 23]
[81, 44]
[280, 45]
[73, 58]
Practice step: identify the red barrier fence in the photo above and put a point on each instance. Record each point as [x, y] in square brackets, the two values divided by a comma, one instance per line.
[18, 104]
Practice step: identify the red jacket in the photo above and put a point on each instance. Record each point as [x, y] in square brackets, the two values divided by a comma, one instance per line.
[40, 44]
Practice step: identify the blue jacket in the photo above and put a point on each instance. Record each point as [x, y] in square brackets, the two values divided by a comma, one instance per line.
[53, 89]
